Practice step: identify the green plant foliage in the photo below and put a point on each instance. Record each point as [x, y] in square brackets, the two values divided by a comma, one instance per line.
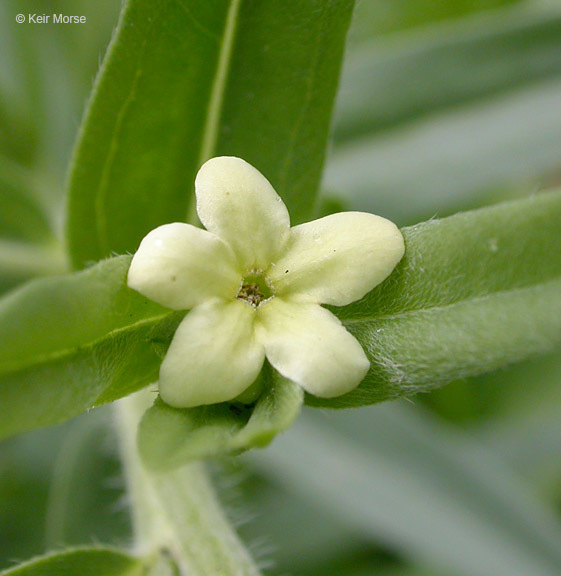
[42, 87]
[450, 116]
[380, 17]
[465, 158]
[85, 503]
[21, 218]
[72, 342]
[82, 562]
[169, 437]
[525, 429]
[474, 292]
[45, 75]
[405, 479]
[445, 106]
[184, 82]
[454, 64]
[26, 465]
[28, 245]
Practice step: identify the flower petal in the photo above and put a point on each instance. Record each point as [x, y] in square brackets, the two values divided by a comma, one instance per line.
[213, 356]
[339, 258]
[309, 345]
[238, 204]
[180, 266]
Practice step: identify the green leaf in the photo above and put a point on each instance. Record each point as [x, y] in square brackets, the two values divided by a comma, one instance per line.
[169, 438]
[374, 18]
[17, 132]
[474, 292]
[390, 81]
[45, 76]
[38, 91]
[72, 342]
[404, 479]
[21, 217]
[307, 535]
[525, 426]
[26, 467]
[185, 81]
[20, 261]
[96, 561]
[85, 503]
[433, 166]
[28, 246]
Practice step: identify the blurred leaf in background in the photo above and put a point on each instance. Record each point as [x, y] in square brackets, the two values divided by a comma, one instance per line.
[450, 115]
[61, 486]
[46, 73]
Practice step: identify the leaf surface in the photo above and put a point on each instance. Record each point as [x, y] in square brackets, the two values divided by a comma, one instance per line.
[374, 18]
[405, 479]
[82, 562]
[389, 81]
[28, 246]
[72, 342]
[185, 81]
[474, 292]
[169, 437]
[442, 163]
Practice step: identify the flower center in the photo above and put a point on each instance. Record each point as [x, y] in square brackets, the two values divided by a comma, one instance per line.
[256, 288]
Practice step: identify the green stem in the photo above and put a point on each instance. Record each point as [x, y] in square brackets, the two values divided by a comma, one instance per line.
[177, 512]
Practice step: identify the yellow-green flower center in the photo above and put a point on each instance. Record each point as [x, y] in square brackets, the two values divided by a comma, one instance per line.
[256, 288]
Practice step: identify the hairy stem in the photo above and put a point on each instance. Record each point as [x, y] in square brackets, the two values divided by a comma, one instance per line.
[177, 513]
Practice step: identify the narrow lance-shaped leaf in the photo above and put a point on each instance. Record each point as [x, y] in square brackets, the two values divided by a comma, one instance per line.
[474, 292]
[448, 161]
[185, 81]
[404, 479]
[72, 342]
[387, 82]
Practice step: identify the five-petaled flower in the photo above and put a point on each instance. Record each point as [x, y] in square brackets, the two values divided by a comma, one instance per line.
[254, 286]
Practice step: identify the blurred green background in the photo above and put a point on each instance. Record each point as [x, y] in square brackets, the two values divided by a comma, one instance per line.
[444, 106]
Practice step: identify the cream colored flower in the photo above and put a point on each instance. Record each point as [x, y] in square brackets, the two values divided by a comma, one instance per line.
[254, 286]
